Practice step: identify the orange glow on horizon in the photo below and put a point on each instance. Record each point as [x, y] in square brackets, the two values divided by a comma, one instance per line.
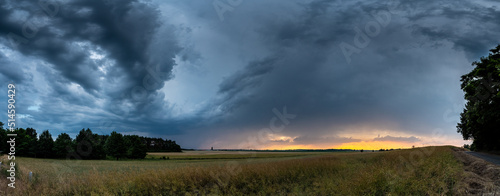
[375, 145]
[289, 147]
[365, 145]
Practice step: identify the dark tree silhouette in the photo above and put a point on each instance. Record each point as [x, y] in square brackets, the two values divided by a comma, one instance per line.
[160, 145]
[23, 142]
[26, 141]
[83, 144]
[115, 145]
[86, 145]
[136, 147]
[32, 141]
[63, 145]
[480, 119]
[45, 145]
[98, 152]
[89, 145]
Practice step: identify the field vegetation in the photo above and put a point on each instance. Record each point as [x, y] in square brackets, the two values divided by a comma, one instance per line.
[421, 171]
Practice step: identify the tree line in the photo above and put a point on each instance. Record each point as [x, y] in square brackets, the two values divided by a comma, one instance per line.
[86, 145]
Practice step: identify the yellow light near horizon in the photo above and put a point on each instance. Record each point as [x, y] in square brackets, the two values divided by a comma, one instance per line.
[375, 145]
[288, 147]
[365, 145]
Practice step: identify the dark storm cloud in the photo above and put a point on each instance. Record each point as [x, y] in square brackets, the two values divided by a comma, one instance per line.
[469, 26]
[300, 74]
[98, 56]
[249, 77]
[105, 62]
[120, 30]
[391, 84]
[9, 74]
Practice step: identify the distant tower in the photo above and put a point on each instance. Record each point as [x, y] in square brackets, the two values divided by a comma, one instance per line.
[212, 148]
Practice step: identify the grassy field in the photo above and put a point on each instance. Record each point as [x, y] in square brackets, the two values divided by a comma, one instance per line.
[421, 171]
[217, 155]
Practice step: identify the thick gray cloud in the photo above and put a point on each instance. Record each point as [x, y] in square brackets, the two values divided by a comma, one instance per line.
[175, 69]
[10, 74]
[98, 55]
[405, 79]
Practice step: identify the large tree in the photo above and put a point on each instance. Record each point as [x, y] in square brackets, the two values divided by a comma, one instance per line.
[89, 145]
[45, 145]
[32, 141]
[98, 152]
[136, 147]
[63, 145]
[480, 120]
[115, 145]
[26, 142]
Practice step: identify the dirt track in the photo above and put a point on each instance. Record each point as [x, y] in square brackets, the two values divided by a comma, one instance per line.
[481, 177]
[495, 159]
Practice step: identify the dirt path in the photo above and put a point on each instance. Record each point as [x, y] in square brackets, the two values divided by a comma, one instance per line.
[480, 177]
[495, 159]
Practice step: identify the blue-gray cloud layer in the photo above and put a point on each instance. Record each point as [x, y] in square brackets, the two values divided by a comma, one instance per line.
[340, 66]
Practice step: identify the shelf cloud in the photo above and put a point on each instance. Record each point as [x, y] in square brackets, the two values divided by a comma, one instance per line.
[347, 71]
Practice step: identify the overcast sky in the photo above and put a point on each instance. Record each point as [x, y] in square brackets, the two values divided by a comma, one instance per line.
[246, 74]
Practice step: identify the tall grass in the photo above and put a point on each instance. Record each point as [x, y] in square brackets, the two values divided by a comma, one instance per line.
[424, 171]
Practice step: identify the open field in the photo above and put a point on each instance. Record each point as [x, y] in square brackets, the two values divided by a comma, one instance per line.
[422, 171]
[207, 155]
